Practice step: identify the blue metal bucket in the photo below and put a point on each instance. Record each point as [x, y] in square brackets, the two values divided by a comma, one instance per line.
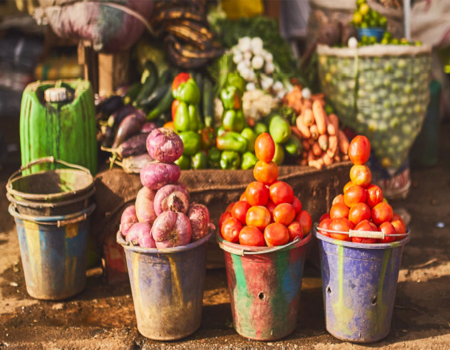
[359, 283]
[167, 287]
[54, 253]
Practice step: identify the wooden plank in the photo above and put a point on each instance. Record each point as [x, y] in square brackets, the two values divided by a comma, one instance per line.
[113, 71]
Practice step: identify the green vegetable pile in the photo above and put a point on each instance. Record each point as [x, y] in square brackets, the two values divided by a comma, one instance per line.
[385, 99]
[365, 17]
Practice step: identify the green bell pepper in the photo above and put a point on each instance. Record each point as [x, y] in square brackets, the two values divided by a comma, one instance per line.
[187, 92]
[191, 142]
[260, 128]
[294, 146]
[184, 162]
[186, 118]
[250, 136]
[233, 120]
[232, 141]
[248, 160]
[219, 131]
[231, 98]
[230, 160]
[199, 161]
[279, 129]
[278, 157]
[235, 79]
[214, 158]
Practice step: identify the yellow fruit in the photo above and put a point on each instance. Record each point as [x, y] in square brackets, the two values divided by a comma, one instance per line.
[357, 18]
[363, 9]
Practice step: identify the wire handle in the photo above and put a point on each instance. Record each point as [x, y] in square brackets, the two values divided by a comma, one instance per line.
[242, 252]
[362, 234]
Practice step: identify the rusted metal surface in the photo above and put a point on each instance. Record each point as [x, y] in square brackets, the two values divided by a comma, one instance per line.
[264, 288]
[167, 287]
[359, 283]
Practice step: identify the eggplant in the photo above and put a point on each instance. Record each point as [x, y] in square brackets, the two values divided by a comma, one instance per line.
[110, 105]
[134, 164]
[130, 126]
[134, 146]
[116, 118]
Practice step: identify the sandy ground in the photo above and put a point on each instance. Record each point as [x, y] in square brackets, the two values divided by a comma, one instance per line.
[102, 317]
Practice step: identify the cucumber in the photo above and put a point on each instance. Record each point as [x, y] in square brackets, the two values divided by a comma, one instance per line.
[163, 106]
[149, 82]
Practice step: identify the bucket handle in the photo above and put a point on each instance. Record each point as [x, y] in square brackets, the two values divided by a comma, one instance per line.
[242, 252]
[59, 223]
[44, 160]
[363, 234]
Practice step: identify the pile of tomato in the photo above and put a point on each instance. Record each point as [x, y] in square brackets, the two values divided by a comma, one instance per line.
[361, 207]
[267, 213]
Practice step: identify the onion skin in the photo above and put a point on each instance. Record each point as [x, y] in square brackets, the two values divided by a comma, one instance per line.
[164, 145]
[128, 219]
[140, 234]
[172, 198]
[156, 175]
[145, 208]
[200, 221]
[171, 230]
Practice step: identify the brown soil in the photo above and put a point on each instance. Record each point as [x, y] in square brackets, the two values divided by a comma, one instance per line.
[102, 317]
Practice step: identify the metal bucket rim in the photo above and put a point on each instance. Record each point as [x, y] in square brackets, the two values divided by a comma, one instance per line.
[40, 196]
[353, 245]
[241, 250]
[42, 205]
[53, 220]
[173, 250]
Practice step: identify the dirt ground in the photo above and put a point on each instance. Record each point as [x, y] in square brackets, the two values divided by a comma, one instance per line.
[102, 317]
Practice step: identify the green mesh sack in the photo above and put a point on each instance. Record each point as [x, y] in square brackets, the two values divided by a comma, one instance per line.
[381, 91]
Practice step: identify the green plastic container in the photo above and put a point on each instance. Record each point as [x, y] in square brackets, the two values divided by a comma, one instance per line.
[58, 119]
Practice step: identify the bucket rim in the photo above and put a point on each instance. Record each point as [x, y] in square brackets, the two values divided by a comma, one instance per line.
[120, 239]
[41, 196]
[59, 221]
[240, 250]
[353, 245]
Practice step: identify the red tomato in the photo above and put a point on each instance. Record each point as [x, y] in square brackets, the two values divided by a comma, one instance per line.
[223, 217]
[324, 217]
[230, 230]
[374, 195]
[382, 212]
[175, 104]
[359, 150]
[264, 147]
[325, 224]
[257, 194]
[281, 192]
[297, 205]
[361, 175]
[230, 207]
[338, 199]
[276, 234]
[355, 194]
[258, 216]
[239, 211]
[180, 78]
[266, 173]
[358, 213]
[342, 225]
[284, 214]
[305, 221]
[271, 207]
[251, 236]
[388, 229]
[295, 230]
[365, 225]
[339, 210]
[347, 186]
[399, 225]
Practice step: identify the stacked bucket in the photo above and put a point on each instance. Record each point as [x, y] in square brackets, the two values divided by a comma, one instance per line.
[51, 210]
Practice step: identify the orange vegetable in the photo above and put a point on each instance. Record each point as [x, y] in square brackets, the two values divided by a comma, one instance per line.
[306, 145]
[304, 162]
[327, 160]
[343, 142]
[319, 97]
[319, 116]
[307, 116]
[333, 126]
[297, 132]
[316, 149]
[332, 145]
[314, 132]
[303, 128]
[316, 163]
[169, 125]
[311, 155]
[323, 142]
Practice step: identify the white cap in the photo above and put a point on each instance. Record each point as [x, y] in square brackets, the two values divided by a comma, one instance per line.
[56, 94]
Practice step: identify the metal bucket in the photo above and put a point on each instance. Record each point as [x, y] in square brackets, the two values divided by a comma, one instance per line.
[167, 287]
[264, 285]
[52, 192]
[359, 282]
[54, 253]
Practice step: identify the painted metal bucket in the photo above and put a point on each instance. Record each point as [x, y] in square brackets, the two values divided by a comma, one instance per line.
[264, 285]
[167, 287]
[359, 282]
[51, 192]
[54, 253]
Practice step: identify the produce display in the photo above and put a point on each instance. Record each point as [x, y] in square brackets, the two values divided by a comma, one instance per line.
[361, 207]
[268, 213]
[162, 216]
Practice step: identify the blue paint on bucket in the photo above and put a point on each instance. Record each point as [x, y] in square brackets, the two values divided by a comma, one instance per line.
[359, 282]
